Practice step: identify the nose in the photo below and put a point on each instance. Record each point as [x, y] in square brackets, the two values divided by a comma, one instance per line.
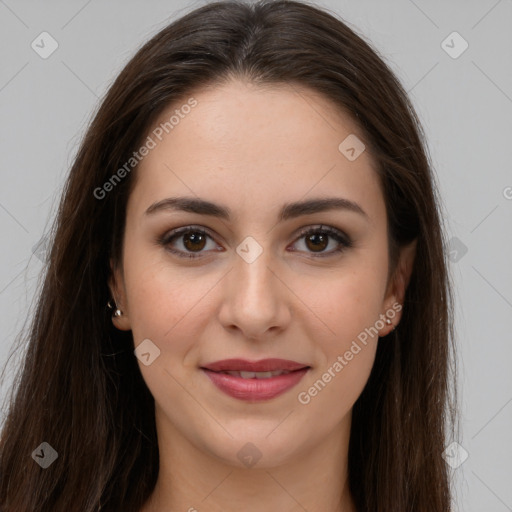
[255, 298]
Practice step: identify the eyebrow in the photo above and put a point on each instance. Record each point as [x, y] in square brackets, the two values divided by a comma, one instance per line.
[288, 210]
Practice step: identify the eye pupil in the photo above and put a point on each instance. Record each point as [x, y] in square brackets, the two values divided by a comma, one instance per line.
[315, 237]
[195, 238]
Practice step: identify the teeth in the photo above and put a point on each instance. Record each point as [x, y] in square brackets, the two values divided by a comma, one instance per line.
[257, 375]
[265, 375]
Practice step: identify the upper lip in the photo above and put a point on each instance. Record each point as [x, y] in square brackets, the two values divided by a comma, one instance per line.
[263, 365]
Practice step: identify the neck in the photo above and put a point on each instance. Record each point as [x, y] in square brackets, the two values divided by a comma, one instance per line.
[191, 479]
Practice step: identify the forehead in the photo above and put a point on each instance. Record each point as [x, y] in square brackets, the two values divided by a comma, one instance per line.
[255, 148]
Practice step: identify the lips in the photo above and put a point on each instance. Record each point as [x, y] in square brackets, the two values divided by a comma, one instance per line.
[255, 375]
[264, 365]
[255, 380]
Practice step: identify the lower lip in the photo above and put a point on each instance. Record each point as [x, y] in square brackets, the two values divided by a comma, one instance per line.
[255, 390]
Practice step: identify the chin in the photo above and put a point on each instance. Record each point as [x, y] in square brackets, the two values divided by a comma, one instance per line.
[259, 451]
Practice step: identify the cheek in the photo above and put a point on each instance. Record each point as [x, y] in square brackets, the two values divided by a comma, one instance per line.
[170, 309]
[351, 308]
[167, 305]
[345, 302]
[353, 313]
[339, 384]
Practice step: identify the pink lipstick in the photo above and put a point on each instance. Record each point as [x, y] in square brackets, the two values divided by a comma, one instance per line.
[255, 381]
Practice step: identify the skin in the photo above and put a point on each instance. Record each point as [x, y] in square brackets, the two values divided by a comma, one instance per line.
[253, 149]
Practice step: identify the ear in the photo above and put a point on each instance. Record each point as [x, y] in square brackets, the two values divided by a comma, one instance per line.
[118, 293]
[395, 293]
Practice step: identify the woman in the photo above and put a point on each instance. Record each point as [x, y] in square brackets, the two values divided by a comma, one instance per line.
[250, 211]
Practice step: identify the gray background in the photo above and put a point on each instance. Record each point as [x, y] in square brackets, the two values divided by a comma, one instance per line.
[465, 104]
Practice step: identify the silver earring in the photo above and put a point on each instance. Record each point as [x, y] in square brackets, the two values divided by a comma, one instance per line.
[388, 322]
[117, 312]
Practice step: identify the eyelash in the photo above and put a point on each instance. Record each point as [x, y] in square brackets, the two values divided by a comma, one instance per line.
[339, 236]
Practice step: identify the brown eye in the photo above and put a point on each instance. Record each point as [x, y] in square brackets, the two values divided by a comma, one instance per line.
[192, 240]
[317, 242]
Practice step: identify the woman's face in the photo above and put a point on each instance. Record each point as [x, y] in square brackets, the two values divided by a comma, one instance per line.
[253, 287]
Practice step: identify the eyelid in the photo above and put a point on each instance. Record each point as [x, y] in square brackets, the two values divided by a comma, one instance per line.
[168, 236]
[339, 235]
[331, 230]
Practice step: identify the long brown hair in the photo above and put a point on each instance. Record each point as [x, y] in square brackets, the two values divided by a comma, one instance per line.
[80, 388]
